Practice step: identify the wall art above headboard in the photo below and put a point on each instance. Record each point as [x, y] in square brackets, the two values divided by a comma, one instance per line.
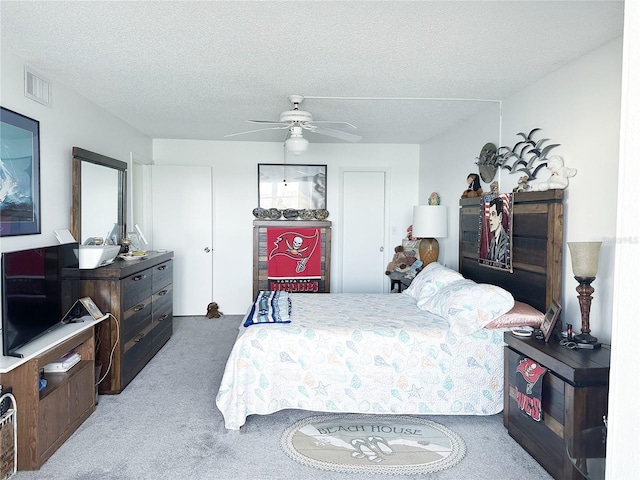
[537, 247]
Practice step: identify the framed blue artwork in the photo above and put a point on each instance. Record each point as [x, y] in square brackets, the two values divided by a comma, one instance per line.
[19, 174]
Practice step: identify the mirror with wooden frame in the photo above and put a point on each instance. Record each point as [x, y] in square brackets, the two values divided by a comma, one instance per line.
[99, 196]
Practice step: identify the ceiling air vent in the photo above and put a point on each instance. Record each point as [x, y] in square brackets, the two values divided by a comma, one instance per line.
[36, 87]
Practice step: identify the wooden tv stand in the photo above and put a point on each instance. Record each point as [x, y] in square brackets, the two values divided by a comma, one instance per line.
[48, 417]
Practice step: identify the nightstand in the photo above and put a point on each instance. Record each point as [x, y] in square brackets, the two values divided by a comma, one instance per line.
[575, 393]
[399, 280]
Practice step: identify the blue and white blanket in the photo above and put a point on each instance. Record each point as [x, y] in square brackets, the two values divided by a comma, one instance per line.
[269, 307]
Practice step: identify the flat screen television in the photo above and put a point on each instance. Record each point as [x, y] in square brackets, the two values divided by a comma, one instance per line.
[35, 294]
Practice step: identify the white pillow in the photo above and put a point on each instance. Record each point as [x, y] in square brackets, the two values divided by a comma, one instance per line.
[431, 279]
[468, 306]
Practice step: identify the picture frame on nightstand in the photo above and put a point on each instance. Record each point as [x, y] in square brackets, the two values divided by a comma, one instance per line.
[550, 320]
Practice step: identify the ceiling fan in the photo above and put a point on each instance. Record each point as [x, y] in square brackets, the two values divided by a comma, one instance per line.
[295, 121]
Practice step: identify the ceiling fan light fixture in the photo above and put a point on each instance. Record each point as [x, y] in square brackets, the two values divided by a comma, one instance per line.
[296, 144]
[295, 120]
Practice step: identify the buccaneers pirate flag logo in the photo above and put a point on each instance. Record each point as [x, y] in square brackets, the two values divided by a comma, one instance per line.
[529, 387]
[294, 253]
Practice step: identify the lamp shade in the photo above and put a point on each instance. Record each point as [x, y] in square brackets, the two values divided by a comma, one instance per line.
[429, 221]
[584, 258]
[296, 144]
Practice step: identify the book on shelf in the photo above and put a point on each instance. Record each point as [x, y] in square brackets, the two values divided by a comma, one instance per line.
[63, 364]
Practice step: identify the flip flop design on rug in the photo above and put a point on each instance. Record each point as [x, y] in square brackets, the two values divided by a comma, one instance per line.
[405, 445]
[373, 448]
[363, 449]
[380, 444]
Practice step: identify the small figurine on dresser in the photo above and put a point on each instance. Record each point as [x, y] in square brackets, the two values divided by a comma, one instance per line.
[523, 184]
[474, 189]
[495, 188]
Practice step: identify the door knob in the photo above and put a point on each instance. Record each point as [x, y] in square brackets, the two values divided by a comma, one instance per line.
[207, 249]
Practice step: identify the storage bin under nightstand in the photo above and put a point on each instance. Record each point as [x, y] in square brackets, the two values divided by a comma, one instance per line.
[575, 393]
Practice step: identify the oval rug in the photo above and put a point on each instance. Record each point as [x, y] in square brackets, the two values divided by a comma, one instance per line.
[377, 444]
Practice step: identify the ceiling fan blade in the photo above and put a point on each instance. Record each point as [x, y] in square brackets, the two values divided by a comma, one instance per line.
[258, 130]
[349, 137]
[329, 122]
[268, 122]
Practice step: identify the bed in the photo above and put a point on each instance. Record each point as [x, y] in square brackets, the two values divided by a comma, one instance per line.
[383, 353]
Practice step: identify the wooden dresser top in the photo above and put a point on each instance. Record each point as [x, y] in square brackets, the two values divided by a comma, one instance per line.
[120, 268]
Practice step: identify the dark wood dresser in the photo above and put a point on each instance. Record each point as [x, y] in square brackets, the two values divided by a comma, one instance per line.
[575, 393]
[139, 293]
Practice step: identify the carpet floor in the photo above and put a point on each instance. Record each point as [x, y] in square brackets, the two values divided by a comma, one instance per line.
[165, 425]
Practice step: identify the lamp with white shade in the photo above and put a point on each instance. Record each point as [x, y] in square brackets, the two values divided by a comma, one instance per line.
[584, 262]
[429, 223]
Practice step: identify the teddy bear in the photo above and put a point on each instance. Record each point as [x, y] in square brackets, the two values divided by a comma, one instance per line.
[559, 178]
[523, 184]
[212, 311]
[400, 261]
[474, 190]
[495, 188]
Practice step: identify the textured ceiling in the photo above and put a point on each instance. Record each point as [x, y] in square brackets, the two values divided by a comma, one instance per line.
[199, 70]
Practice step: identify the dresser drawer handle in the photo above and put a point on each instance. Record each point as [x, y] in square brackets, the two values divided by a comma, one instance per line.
[139, 277]
[162, 267]
[138, 338]
[137, 308]
[163, 317]
[162, 293]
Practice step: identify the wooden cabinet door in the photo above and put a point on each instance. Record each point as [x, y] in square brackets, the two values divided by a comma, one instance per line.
[53, 420]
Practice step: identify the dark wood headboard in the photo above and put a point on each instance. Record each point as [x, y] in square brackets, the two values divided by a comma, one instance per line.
[537, 247]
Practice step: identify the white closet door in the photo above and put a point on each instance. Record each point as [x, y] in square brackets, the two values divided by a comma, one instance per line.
[182, 222]
[363, 231]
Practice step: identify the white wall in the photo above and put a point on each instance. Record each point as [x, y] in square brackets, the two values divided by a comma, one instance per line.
[445, 163]
[577, 106]
[624, 421]
[236, 195]
[71, 121]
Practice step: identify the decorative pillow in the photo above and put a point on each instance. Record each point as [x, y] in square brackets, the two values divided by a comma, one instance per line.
[431, 279]
[468, 306]
[269, 307]
[521, 315]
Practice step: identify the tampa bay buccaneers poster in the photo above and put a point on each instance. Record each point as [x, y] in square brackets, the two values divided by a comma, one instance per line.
[294, 259]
